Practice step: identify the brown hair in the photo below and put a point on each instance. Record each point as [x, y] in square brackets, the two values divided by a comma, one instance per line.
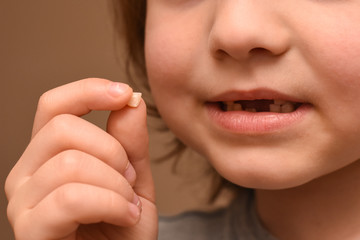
[130, 17]
[129, 20]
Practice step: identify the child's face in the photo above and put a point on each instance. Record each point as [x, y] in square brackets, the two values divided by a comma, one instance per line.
[200, 53]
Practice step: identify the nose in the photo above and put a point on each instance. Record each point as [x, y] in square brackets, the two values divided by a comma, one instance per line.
[245, 28]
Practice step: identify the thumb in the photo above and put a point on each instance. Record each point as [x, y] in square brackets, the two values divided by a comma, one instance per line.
[129, 127]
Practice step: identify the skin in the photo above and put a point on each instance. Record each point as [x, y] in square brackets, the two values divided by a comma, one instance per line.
[75, 181]
[308, 50]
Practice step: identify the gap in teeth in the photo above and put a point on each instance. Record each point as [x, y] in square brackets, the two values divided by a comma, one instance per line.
[277, 106]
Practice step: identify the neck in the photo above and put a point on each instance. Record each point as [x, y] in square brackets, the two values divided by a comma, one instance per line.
[328, 207]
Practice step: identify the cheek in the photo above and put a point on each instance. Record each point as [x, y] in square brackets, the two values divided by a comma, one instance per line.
[171, 65]
[172, 43]
[334, 53]
[340, 63]
[165, 61]
[165, 69]
[168, 68]
[171, 58]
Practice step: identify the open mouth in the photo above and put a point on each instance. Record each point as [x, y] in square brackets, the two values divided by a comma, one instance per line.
[260, 105]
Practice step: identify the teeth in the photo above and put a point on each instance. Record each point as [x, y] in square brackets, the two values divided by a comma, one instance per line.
[232, 106]
[135, 99]
[287, 107]
[229, 106]
[279, 106]
[275, 108]
[237, 107]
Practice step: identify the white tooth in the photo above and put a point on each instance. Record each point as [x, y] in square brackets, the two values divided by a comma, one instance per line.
[237, 107]
[275, 108]
[287, 107]
[250, 109]
[135, 99]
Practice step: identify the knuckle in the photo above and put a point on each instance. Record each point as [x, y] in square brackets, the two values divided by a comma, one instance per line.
[69, 163]
[87, 85]
[114, 150]
[84, 85]
[61, 125]
[46, 101]
[8, 187]
[10, 211]
[68, 197]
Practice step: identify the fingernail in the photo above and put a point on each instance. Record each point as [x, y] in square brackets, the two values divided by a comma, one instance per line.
[134, 211]
[117, 89]
[137, 201]
[130, 174]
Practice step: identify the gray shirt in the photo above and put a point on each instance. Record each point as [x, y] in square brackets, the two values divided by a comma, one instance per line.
[237, 221]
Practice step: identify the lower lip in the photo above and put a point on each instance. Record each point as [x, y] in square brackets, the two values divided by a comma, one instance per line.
[243, 122]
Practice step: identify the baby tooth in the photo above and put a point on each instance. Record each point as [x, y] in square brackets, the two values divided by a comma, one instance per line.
[229, 106]
[275, 108]
[135, 99]
[287, 107]
[237, 107]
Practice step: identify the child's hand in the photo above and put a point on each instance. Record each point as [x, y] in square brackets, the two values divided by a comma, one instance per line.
[76, 181]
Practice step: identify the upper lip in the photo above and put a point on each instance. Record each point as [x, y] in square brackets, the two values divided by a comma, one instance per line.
[254, 94]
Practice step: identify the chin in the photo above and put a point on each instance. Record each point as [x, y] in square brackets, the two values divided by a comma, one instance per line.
[271, 173]
[269, 181]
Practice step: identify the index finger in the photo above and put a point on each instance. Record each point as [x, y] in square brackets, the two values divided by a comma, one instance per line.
[79, 98]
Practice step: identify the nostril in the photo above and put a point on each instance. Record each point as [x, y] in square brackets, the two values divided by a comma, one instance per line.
[259, 50]
[220, 54]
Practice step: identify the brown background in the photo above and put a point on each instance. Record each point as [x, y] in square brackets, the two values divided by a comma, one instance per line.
[44, 44]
